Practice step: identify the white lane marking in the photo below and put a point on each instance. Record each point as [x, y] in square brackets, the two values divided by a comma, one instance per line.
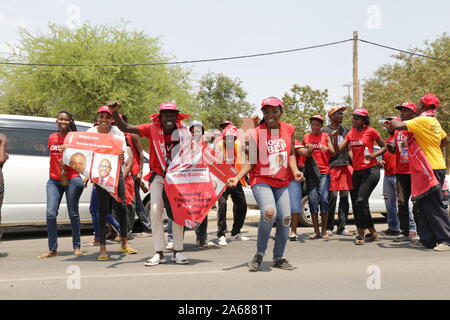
[115, 275]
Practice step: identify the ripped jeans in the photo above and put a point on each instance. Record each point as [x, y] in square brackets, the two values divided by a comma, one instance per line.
[273, 204]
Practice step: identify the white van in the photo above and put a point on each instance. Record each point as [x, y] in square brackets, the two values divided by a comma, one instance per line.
[27, 171]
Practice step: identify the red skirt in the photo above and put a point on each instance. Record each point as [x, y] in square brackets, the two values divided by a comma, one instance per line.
[341, 178]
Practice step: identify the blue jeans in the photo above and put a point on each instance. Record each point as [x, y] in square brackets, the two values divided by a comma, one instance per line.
[55, 192]
[319, 195]
[93, 209]
[390, 201]
[295, 196]
[275, 201]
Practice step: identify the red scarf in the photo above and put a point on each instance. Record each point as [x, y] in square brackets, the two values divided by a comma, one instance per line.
[423, 180]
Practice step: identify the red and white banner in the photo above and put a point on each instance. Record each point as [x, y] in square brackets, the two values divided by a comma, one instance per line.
[96, 156]
[193, 188]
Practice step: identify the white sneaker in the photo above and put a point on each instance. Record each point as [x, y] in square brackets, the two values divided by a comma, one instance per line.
[442, 247]
[346, 233]
[155, 260]
[180, 259]
[239, 237]
[169, 245]
[222, 241]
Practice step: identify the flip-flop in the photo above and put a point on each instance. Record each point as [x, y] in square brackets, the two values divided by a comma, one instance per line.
[47, 255]
[103, 257]
[128, 250]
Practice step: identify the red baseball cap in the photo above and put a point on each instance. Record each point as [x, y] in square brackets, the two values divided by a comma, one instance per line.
[168, 106]
[430, 99]
[272, 101]
[230, 131]
[316, 117]
[360, 113]
[408, 105]
[104, 109]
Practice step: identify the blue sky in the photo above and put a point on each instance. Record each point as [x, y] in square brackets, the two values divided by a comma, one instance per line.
[196, 29]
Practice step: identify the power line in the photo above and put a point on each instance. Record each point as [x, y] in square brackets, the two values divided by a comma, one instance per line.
[218, 59]
[176, 62]
[404, 51]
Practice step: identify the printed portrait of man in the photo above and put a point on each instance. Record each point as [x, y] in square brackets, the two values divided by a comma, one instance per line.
[78, 162]
[104, 171]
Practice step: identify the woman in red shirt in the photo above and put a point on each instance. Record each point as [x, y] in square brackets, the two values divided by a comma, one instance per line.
[273, 145]
[320, 148]
[366, 172]
[63, 179]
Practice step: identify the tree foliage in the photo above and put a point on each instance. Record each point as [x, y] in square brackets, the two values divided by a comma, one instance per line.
[221, 98]
[300, 104]
[43, 91]
[410, 78]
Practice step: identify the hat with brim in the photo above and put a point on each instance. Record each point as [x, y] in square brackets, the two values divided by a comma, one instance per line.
[408, 105]
[335, 109]
[316, 117]
[104, 109]
[360, 113]
[430, 100]
[271, 102]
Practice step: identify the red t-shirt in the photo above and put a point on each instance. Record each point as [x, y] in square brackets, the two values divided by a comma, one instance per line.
[135, 168]
[389, 159]
[322, 158]
[54, 146]
[272, 166]
[154, 164]
[358, 141]
[401, 154]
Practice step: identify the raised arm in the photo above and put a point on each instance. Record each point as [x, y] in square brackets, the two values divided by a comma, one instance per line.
[114, 107]
[139, 149]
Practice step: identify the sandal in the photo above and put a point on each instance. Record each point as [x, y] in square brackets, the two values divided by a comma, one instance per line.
[78, 253]
[314, 236]
[50, 254]
[359, 240]
[128, 250]
[103, 257]
[370, 238]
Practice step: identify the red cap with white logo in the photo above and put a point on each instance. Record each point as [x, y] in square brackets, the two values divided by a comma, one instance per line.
[408, 105]
[168, 106]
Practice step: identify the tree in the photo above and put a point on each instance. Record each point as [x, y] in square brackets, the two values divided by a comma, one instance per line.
[300, 104]
[43, 91]
[410, 78]
[221, 98]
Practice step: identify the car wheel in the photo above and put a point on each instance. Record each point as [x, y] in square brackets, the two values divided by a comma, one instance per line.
[305, 216]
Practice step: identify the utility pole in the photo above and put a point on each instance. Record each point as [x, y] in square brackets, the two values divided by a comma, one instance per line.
[355, 71]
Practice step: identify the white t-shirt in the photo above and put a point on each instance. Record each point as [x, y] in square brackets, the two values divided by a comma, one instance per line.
[118, 134]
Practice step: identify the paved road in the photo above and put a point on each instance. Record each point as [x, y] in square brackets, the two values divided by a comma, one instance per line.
[335, 269]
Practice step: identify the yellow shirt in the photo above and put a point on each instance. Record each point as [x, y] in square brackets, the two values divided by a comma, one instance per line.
[428, 133]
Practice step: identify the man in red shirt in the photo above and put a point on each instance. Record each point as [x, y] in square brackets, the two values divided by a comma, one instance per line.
[163, 138]
[405, 214]
[389, 188]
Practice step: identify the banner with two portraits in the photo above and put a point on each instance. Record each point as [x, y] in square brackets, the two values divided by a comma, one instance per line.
[95, 156]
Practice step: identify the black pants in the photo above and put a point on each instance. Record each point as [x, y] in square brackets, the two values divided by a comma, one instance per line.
[239, 210]
[433, 221]
[403, 195]
[201, 231]
[342, 209]
[105, 205]
[364, 182]
[140, 210]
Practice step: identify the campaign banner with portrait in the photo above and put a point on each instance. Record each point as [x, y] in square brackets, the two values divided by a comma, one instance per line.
[190, 190]
[95, 156]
